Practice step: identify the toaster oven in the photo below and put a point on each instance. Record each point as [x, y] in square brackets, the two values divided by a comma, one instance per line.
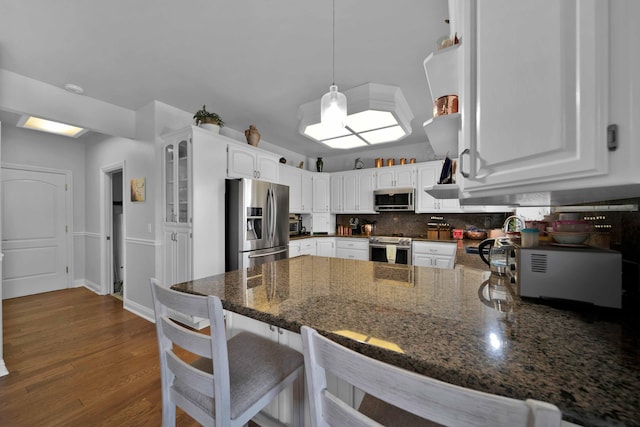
[295, 225]
[585, 274]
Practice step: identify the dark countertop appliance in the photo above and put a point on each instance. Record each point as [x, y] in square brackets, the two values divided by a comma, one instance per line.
[586, 274]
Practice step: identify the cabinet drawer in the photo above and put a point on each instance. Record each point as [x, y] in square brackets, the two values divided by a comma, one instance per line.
[308, 245]
[360, 254]
[434, 248]
[360, 244]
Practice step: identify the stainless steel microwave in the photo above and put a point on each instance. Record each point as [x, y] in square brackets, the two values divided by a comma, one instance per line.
[394, 199]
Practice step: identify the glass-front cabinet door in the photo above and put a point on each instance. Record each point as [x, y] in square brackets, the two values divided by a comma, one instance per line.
[176, 171]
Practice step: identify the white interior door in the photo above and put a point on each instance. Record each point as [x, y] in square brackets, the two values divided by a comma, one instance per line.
[34, 232]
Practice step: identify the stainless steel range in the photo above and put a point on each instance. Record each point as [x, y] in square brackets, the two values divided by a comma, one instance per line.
[390, 249]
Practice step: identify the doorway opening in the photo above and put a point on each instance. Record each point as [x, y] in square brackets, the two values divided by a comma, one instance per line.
[113, 226]
[117, 234]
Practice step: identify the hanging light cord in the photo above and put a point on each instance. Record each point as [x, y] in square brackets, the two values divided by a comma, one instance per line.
[334, 43]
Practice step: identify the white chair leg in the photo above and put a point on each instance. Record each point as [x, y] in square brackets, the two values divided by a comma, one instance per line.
[168, 414]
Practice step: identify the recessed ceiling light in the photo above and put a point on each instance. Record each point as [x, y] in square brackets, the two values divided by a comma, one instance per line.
[42, 125]
[70, 87]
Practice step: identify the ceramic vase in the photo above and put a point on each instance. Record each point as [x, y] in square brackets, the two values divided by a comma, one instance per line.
[253, 136]
[319, 164]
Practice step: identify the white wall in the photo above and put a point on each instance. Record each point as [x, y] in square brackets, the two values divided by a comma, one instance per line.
[139, 217]
[346, 160]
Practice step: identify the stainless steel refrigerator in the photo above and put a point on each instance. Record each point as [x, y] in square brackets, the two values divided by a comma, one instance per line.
[257, 223]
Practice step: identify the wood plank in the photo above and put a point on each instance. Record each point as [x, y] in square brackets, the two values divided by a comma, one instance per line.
[77, 358]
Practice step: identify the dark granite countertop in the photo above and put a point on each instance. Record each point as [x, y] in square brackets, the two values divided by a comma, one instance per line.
[443, 323]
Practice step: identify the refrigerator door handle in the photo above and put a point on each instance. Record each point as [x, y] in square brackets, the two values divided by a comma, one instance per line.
[274, 216]
[268, 254]
[269, 216]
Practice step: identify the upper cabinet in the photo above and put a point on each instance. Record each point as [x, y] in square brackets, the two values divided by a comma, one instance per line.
[396, 176]
[352, 191]
[177, 174]
[534, 93]
[251, 162]
[300, 188]
[321, 192]
[358, 191]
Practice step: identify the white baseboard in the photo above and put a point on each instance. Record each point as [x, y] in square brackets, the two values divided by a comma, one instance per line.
[3, 368]
[94, 287]
[140, 310]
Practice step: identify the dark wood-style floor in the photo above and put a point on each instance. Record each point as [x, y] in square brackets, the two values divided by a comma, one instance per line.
[79, 359]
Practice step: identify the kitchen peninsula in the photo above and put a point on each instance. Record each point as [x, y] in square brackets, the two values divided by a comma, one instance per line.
[437, 322]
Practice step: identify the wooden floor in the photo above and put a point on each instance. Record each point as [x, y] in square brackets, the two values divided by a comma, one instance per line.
[79, 359]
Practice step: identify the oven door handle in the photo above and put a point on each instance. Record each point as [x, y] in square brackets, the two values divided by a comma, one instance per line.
[382, 245]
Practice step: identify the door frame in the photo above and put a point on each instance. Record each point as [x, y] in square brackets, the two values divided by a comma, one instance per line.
[106, 228]
[68, 209]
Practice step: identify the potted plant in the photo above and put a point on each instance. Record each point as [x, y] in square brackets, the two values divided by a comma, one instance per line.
[208, 120]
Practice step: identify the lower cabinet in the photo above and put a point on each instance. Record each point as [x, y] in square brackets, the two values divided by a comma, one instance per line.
[434, 254]
[308, 247]
[326, 246]
[352, 248]
[294, 248]
[177, 256]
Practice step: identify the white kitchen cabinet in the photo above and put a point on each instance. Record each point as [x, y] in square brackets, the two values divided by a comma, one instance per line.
[434, 254]
[308, 247]
[402, 176]
[535, 97]
[251, 162]
[177, 253]
[300, 188]
[193, 228]
[321, 223]
[352, 191]
[291, 177]
[307, 191]
[326, 246]
[321, 192]
[294, 248]
[352, 248]
[337, 193]
[358, 187]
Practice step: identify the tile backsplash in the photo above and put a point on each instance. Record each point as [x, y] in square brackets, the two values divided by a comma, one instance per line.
[411, 224]
[623, 227]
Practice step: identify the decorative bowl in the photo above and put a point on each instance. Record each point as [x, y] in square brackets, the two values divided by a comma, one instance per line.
[573, 226]
[476, 234]
[570, 237]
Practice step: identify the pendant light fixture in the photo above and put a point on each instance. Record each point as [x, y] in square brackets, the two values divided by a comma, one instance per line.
[333, 105]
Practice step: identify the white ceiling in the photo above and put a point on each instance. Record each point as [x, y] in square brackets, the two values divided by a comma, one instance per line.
[251, 61]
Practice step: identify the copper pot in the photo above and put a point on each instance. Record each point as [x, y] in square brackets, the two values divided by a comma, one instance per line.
[447, 104]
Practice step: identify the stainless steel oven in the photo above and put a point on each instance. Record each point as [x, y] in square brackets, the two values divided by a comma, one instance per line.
[390, 249]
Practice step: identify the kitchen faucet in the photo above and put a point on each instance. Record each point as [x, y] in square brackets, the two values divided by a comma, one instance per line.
[505, 226]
